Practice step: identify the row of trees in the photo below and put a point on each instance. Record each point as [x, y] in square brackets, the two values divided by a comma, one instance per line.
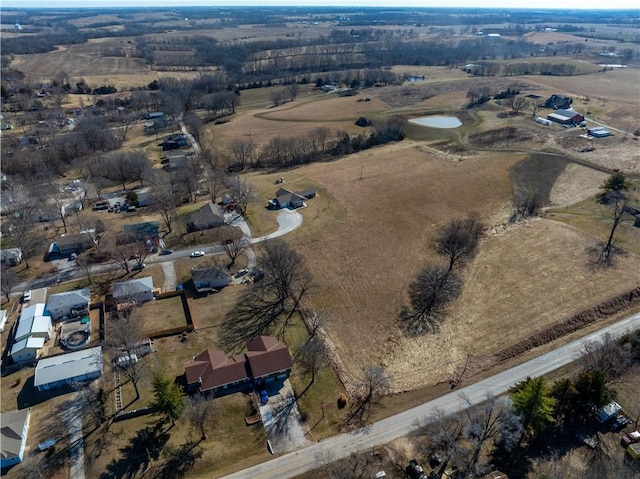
[437, 286]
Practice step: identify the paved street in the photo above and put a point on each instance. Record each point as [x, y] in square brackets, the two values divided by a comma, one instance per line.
[399, 425]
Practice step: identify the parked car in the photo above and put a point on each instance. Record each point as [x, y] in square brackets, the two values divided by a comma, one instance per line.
[26, 296]
[165, 252]
[242, 272]
[264, 397]
[138, 267]
[620, 423]
[196, 254]
[73, 256]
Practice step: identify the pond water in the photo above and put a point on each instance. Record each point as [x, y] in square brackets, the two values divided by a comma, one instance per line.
[436, 121]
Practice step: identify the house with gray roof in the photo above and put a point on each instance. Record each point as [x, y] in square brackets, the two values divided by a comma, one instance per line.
[68, 305]
[207, 279]
[14, 427]
[66, 369]
[136, 290]
[205, 218]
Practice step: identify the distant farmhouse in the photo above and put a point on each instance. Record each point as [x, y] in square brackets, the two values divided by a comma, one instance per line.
[174, 142]
[558, 102]
[566, 117]
[266, 360]
[67, 369]
[15, 429]
[205, 218]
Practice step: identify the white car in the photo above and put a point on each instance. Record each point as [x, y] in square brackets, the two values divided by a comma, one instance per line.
[196, 254]
[26, 296]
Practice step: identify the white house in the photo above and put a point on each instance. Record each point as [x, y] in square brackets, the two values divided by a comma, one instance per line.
[66, 369]
[14, 426]
[34, 322]
[71, 304]
[136, 290]
[26, 349]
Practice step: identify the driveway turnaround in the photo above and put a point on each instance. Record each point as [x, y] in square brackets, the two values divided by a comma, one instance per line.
[394, 427]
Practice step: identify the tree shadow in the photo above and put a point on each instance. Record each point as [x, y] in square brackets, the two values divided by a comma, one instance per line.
[179, 460]
[144, 448]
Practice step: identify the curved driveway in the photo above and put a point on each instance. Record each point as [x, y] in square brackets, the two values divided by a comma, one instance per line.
[399, 425]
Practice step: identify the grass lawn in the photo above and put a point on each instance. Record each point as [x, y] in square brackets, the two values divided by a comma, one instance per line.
[160, 314]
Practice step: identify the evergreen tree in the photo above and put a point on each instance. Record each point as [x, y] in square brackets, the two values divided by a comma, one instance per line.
[532, 400]
[168, 399]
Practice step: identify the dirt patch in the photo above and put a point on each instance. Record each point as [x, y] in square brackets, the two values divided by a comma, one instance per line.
[536, 175]
[503, 137]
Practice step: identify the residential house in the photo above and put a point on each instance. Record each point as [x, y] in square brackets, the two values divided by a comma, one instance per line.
[174, 142]
[26, 349]
[68, 305]
[149, 232]
[558, 102]
[77, 243]
[66, 369]
[268, 359]
[175, 162]
[265, 360]
[14, 427]
[288, 199]
[11, 256]
[34, 322]
[136, 290]
[211, 371]
[145, 196]
[205, 218]
[206, 279]
[154, 115]
[566, 117]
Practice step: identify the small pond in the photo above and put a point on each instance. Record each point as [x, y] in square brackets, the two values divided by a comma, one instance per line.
[436, 121]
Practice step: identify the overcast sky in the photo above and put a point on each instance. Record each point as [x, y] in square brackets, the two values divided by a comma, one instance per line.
[538, 4]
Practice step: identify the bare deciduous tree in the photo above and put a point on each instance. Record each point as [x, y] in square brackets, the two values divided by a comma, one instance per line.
[8, 281]
[235, 247]
[516, 103]
[458, 240]
[608, 357]
[201, 414]
[617, 201]
[242, 193]
[429, 295]
[375, 383]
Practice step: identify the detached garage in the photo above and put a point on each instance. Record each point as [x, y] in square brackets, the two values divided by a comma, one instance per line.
[66, 369]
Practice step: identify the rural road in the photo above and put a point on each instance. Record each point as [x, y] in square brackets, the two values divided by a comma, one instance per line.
[399, 425]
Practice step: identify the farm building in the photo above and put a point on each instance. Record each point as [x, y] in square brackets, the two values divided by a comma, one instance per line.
[66, 369]
[566, 117]
[70, 304]
[136, 290]
[11, 256]
[205, 218]
[26, 349]
[14, 426]
[34, 322]
[265, 360]
[543, 121]
[598, 132]
[206, 279]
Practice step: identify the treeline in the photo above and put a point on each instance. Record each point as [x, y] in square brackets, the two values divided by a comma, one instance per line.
[523, 68]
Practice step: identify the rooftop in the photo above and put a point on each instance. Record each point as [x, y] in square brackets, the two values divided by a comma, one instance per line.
[67, 366]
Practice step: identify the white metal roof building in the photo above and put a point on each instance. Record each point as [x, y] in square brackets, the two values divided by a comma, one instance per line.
[66, 369]
[34, 322]
[26, 349]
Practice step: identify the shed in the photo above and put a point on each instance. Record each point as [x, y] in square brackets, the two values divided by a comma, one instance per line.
[543, 121]
[66, 369]
[608, 411]
[598, 132]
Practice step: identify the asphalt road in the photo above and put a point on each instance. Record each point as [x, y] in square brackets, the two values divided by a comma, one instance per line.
[399, 425]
